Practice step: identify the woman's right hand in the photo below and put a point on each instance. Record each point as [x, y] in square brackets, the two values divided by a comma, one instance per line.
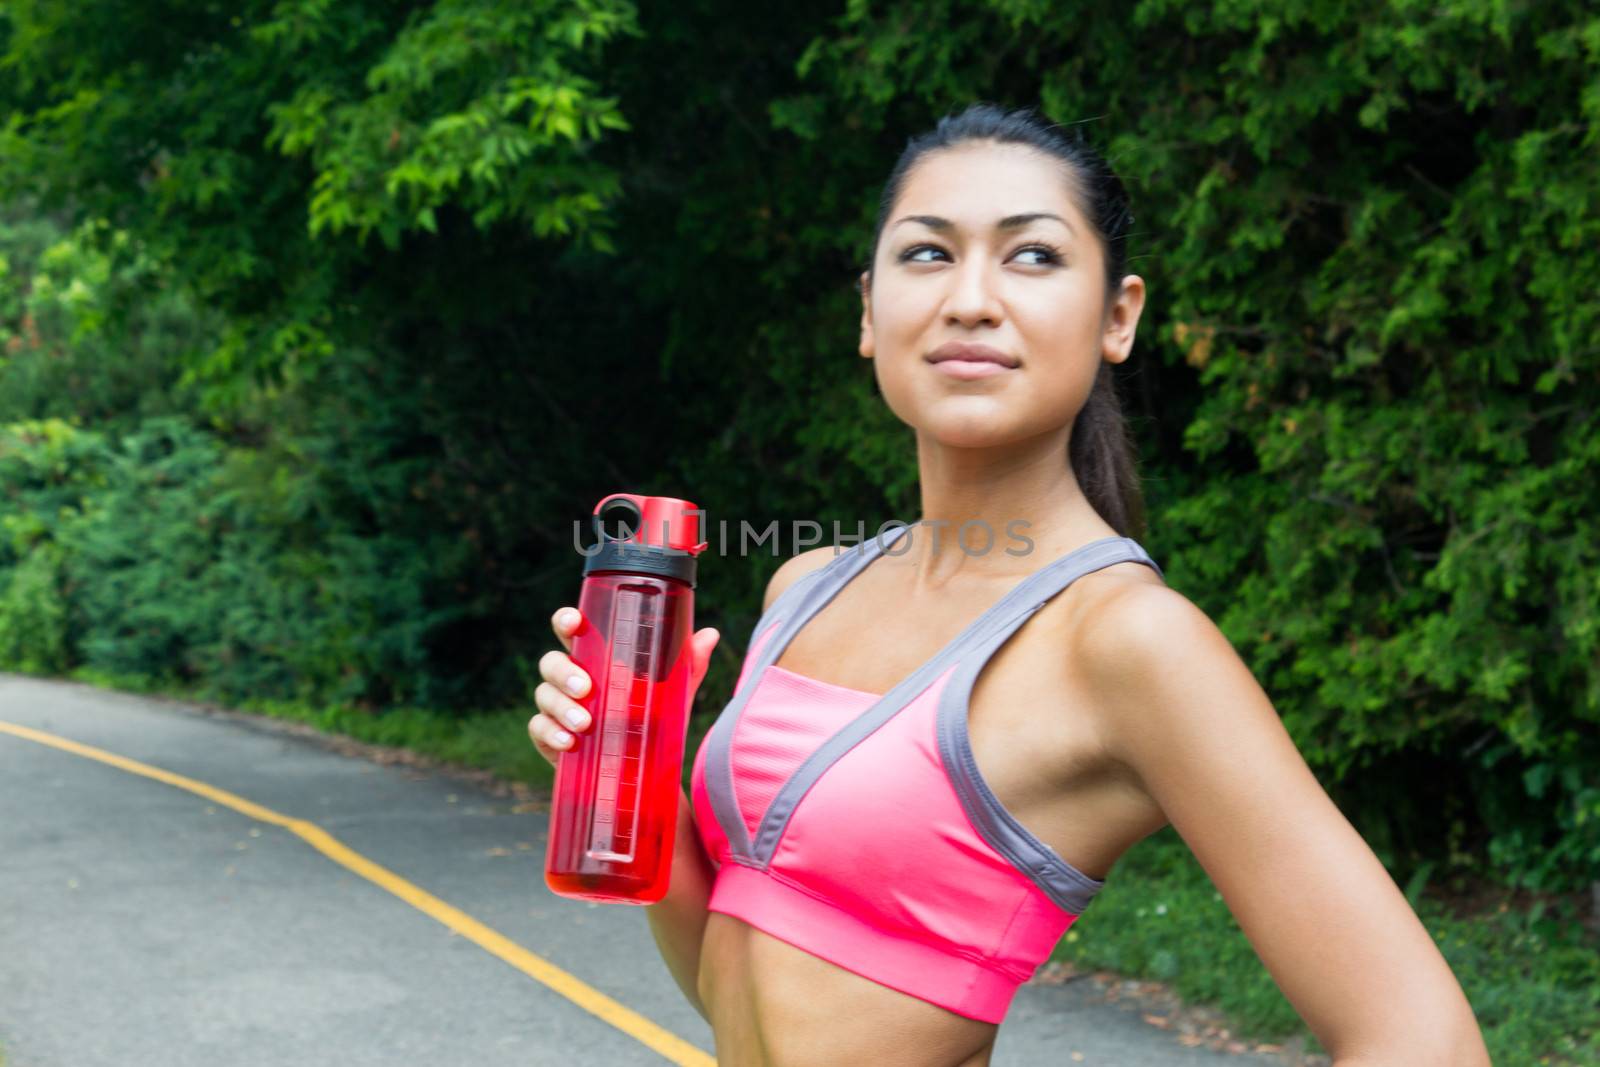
[560, 716]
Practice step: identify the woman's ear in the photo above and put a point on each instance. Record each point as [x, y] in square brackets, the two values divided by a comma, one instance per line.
[864, 287]
[1122, 320]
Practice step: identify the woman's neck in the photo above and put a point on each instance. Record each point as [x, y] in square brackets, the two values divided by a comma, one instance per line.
[979, 503]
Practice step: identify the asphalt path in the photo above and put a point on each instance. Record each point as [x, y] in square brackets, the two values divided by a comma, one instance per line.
[356, 912]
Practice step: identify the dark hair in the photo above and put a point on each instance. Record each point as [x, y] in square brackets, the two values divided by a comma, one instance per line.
[1101, 449]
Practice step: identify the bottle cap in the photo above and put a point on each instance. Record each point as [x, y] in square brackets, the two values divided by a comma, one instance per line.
[650, 521]
[656, 535]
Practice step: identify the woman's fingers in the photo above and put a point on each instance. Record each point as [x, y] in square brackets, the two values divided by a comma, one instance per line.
[550, 739]
[703, 643]
[559, 719]
[558, 669]
[560, 715]
[560, 708]
[566, 622]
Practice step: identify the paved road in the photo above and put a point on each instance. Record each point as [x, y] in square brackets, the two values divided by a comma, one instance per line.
[141, 923]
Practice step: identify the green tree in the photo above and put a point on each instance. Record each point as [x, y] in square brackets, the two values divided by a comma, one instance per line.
[228, 140]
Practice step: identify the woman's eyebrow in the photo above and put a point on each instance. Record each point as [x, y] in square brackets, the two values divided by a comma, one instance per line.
[1010, 222]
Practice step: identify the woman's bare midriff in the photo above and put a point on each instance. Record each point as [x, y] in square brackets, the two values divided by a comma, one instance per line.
[774, 1005]
[1037, 744]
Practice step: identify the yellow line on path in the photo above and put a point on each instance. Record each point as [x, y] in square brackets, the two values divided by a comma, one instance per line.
[630, 1022]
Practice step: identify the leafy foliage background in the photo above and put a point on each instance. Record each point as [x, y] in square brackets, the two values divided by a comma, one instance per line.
[321, 323]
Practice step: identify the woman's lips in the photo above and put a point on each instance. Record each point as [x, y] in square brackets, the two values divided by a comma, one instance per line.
[971, 369]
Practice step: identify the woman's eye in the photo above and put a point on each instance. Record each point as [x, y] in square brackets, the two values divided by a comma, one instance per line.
[1046, 254]
[909, 255]
[1049, 254]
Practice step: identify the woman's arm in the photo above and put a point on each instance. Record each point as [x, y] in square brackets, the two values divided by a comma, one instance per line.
[678, 920]
[1184, 713]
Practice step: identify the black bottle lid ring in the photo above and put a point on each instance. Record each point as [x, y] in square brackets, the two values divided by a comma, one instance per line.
[630, 557]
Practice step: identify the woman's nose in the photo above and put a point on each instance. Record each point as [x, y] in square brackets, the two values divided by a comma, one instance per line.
[973, 299]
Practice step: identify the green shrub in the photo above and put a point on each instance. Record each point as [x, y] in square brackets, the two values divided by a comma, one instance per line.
[150, 555]
[33, 615]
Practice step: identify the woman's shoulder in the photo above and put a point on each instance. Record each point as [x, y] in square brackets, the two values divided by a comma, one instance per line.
[1140, 653]
[795, 568]
[1124, 612]
[1112, 621]
[1099, 609]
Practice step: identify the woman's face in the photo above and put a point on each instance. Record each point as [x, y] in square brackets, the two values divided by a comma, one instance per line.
[986, 246]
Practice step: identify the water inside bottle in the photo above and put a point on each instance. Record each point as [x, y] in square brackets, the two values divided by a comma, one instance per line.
[622, 725]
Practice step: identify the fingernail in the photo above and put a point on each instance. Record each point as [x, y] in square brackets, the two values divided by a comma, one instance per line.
[576, 684]
[577, 718]
[569, 618]
[561, 737]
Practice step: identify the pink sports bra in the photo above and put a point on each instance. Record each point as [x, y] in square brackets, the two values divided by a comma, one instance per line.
[856, 826]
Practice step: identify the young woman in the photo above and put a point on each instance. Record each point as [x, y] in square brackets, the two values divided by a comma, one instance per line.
[936, 752]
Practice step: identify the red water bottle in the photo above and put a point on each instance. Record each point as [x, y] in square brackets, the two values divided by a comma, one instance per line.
[615, 809]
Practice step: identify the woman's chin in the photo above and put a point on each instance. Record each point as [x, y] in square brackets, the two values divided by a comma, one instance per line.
[974, 429]
[954, 421]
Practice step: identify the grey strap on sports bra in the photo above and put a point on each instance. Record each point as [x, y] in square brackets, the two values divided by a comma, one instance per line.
[809, 595]
[1063, 883]
[806, 596]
